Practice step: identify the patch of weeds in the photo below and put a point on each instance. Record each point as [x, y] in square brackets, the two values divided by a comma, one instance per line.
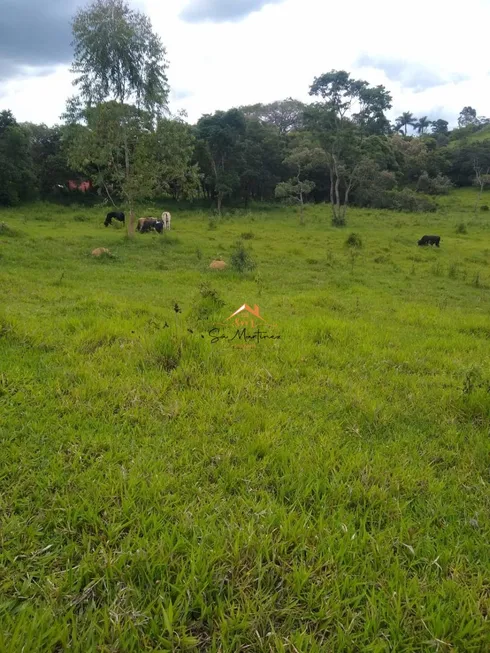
[461, 228]
[207, 292]
[453, 271]
[5, 230]
[484, 207]
[473, 380]
[247, 235]
[199, 254]
[79, 217]
[312, 261]
[241, 259]
[212, 224]
[437, 269]
[354, 240]
[477, 280]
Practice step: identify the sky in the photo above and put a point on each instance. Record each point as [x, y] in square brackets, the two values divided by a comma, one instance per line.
[433, 58]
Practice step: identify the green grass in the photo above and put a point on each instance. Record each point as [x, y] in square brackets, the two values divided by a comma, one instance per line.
[327, 491]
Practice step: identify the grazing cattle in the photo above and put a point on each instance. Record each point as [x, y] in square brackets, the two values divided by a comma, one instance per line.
[159, 226]
[147, 225]
[430, 240]
[166, 217]
[141, 222]
[116, 215]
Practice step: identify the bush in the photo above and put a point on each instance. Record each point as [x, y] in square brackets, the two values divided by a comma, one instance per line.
[354, 240]
[461, 228]
[440, 185]
[484, 207]
[5, 230]
[241, 259]
[405, 200]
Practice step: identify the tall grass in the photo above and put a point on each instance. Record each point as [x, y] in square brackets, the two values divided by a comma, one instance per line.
[327, 491]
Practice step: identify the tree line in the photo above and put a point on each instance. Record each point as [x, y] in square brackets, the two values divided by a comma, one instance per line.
[340, 148]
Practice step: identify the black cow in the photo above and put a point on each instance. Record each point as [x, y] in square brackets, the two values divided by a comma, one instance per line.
[116, 215]
[430, 240]
[159, 226]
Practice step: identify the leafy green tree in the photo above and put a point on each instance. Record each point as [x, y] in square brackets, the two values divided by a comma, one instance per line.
[373, 102]
[220, 152]
[169, 150]
[407, 119]
[17, 177]
[298, 188]
[462, 171]
[261, 167]
[49, 157]
[6, 120]
[467, 116]
[118, 59]
[286, 115]
[342, 132]
[440, 126]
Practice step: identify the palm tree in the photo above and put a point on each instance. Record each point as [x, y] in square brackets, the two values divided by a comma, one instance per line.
[404, 120]
[422, 125]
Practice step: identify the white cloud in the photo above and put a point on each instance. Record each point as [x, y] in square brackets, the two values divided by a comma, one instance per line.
[277, 51]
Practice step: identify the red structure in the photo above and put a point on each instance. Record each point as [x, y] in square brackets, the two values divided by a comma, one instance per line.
[84, 186]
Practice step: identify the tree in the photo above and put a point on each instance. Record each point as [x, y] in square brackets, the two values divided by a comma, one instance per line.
[169, 150]
[286, 115]
[342, 131]
[6, 120]
[297, 188]
[220, 151]
[118, 59]
[49, 157]
[17, 178]
[407, 119]
[482, 179]
[467, 117]
[422, 125]
[440, 126]
[261, 164]
[373, 102]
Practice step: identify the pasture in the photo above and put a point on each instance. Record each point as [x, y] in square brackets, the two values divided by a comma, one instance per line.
[326, 491]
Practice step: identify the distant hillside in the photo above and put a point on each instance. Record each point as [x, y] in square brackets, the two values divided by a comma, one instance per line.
[482, 134]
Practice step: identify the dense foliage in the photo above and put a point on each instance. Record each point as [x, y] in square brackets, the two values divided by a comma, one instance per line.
[118, 135]
[237, 157]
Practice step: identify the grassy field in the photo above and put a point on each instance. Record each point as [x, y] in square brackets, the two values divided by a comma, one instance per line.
[325, 491]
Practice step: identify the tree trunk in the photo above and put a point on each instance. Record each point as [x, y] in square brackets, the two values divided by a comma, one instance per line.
[129, 194]
[220, 199]
[332, 199]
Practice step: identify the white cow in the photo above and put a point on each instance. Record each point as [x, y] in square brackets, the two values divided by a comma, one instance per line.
[166, 217]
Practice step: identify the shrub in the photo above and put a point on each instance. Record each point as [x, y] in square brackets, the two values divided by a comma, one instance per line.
[5, 230]
[439, 185]
[461, 228]
[241, 259]
[405, 200]
[354, 240]
[484, 207]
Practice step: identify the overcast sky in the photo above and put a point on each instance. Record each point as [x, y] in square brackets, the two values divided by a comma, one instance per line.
[433, 56]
